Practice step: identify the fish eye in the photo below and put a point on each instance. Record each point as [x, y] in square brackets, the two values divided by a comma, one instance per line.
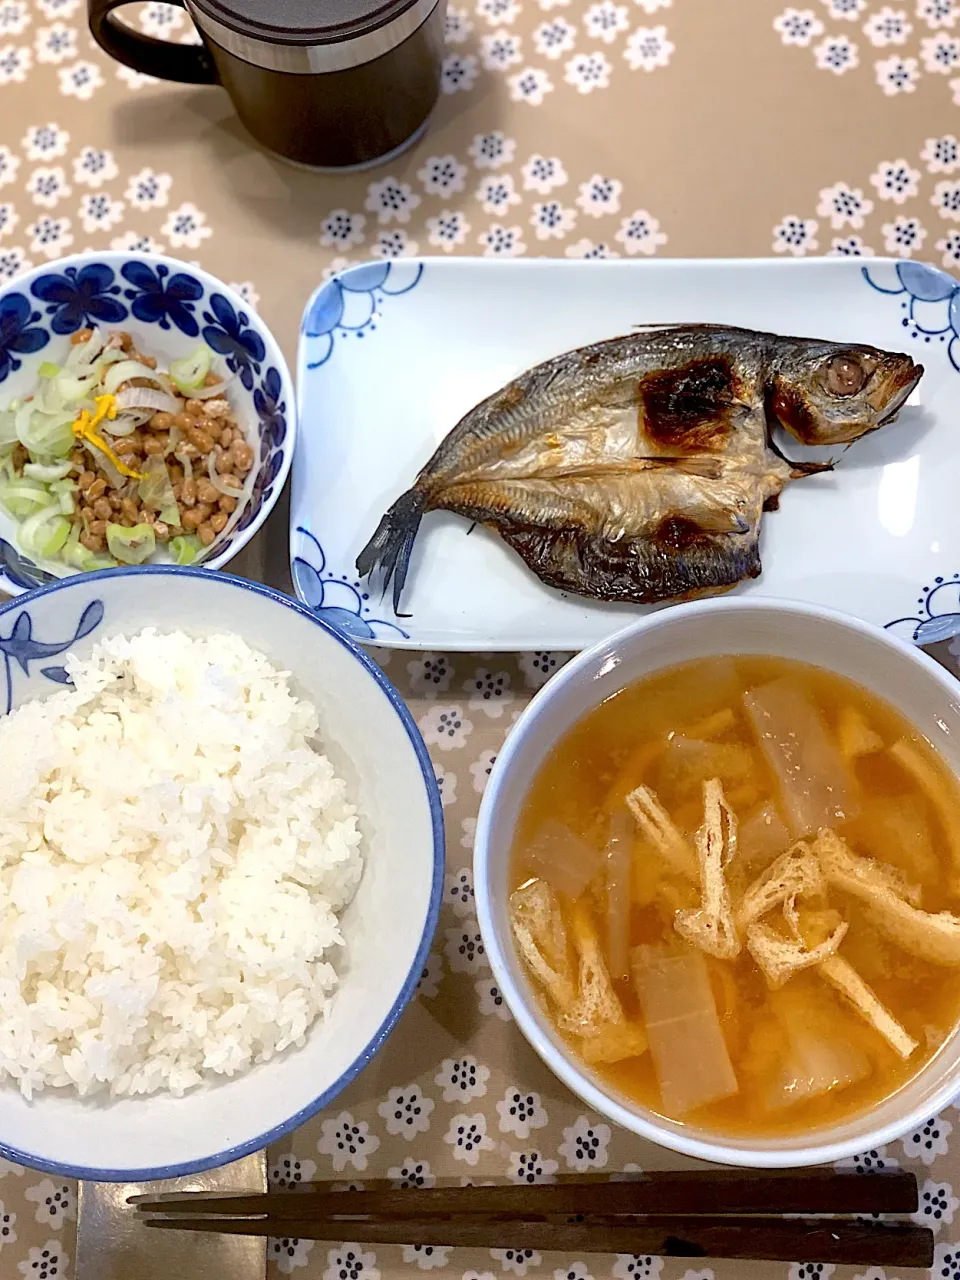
[845, 376]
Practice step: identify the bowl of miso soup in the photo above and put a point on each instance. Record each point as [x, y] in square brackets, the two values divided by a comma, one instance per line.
[717, 869]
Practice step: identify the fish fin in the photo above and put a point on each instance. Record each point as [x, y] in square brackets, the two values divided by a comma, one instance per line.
[388, 551]
[797, 469]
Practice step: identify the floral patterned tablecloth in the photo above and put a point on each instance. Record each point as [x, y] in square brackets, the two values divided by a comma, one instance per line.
[568, 127]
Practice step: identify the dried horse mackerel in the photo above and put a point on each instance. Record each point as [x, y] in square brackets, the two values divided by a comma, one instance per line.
[639, 468]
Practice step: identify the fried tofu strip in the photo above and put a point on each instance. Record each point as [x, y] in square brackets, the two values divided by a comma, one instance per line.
[659, 828]
[711, 926]
[541, 939]
[863, 877]
[944, 803]
[795, 873]
[844, 978]
[596, 1003]
[780, 958]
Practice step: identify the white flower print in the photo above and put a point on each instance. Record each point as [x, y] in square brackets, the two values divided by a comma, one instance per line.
[480, 771]
[903, 236]
[347, 1142]
[9, 164]
[135, 79]
[247, 291]
[341, 228]
[843, 205]
[599, 195]
[605, 20]
[55, 1203]
[81, 80]
[649, 48]
[941, 155]
[940, 53]
[937, 1206]
[500, 50]
[955, 91]
[350, 1262]
[288, 1254]
[14, 17]
[496, 193]
[98, 211]
[391, 200]
[651, 6]
[491, 150]
[5, 1165]
[58, 8]
[637, 1266]
[489, 692]
[50, 236]
[94, 166]
[946, 200]
[548, 5]
[7, 1222]
[290, 1172]
[186, 227]
[47, 186]
[462, 1079]
[937, 13]
[406, 1111]
[502, 242]
[457, 26]
[798, 26]
[55, 44]
[554, 38]
[445, 726]
[873, 1161]
[45, 142]
[13, 263]
[795, 235]
[551, 220]
[442, 175]
[520, 1111]
[430, 673]
[530, 85]
[491, 1002]
[887, 26]
[412, 1173]
[848, 10]
[447, 782]
[160, 20]
[849, 247]
[8, 219]
[837, 54]
[929, 1141]
[516, 1261]
[44, 1261]
[430, 977]
[448, 229]
[394, 244]
[148, 189]
[468, 833]
[15, 62]
[895, 180]
[191, 36]
[427, 1256]
[584, 1145]
[575, 1271]
[498, 12]
[896, 75]
[467, 1135]
[587, 249]
[458, 893]
[458, 73]
[810, 1271]
[464, 947]
[475, 1275]
[530, 1167]
[543, 174]
[538, 667]
[133, 242]
[871, 1273]
[640, 233]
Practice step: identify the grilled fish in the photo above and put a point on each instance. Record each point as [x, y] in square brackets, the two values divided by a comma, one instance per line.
[638, 468]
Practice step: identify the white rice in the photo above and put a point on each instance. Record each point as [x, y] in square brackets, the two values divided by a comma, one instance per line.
[174, 851]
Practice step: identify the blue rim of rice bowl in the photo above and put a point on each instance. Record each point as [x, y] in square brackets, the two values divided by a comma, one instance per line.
[229, 1154]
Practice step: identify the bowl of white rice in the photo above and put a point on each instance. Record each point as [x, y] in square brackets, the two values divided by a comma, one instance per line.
[221, 861]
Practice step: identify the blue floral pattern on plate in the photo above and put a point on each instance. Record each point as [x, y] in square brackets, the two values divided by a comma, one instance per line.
[229, 333]
[159, 297]
[21, 648]
[20, 333]
[77, 299]
[341, 601]
[931, 304]
[938, 614]
[350, 303]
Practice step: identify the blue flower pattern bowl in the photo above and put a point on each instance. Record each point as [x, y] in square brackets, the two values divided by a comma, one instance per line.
[169, 307]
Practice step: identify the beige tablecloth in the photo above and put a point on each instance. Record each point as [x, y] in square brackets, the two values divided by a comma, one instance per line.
[567, 127]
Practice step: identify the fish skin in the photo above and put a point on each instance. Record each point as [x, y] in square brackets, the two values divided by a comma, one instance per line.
[638, 468]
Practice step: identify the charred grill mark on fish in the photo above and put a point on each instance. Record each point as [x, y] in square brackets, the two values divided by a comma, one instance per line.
[639, 468]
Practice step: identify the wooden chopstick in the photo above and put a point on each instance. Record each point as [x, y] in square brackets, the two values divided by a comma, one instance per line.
[760, 1239]
[669, 1193]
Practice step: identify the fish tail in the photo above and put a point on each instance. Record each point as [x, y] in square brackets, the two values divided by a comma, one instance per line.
[388, 551]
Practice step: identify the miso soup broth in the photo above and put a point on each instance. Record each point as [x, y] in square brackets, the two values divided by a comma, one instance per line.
[733, 885]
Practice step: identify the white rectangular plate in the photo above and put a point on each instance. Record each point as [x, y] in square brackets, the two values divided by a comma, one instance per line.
[392, 354]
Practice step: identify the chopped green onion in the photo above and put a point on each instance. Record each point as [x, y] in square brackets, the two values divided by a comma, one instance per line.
[131, 546]
[43, 434]
[44, 533]
[49, 370]
[23, 497]
[189, 373]
[185, 549]
[47, 472]
[78, 557]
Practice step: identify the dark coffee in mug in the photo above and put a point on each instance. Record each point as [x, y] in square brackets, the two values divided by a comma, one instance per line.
[337, 84]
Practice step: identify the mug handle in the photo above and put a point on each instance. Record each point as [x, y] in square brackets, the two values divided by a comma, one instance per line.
[185, 63]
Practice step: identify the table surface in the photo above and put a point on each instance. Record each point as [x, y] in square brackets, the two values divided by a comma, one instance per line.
[566, 127]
